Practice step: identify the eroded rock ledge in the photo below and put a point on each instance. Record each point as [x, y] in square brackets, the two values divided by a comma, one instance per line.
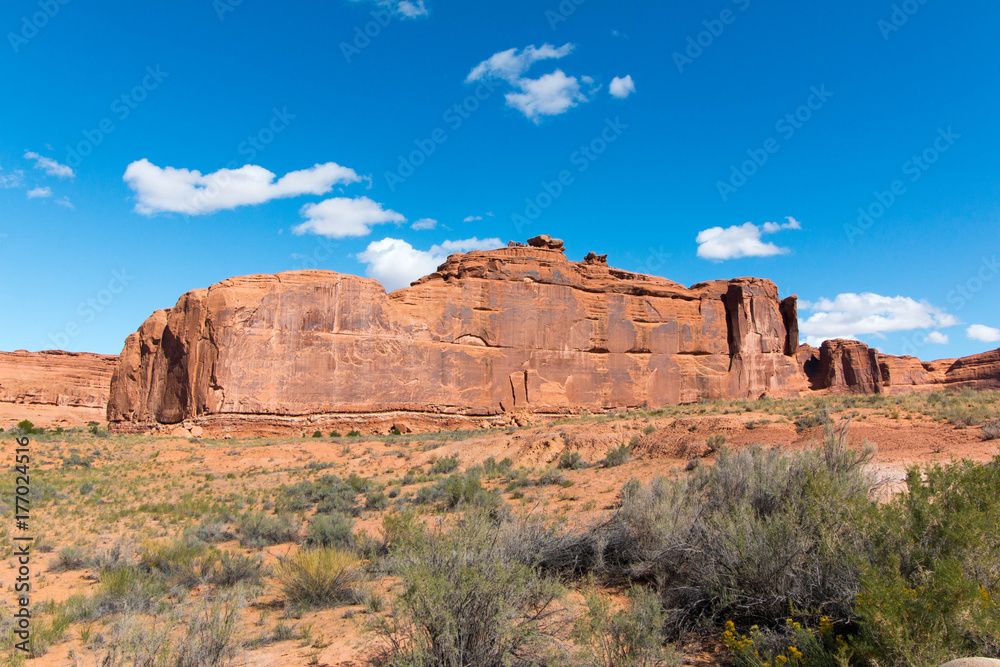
[520, 329]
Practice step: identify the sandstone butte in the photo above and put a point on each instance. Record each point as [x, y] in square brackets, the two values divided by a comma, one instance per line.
[491, 337]
[54, 377]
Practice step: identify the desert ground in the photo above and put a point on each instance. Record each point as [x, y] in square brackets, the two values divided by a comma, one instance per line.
[172, 505]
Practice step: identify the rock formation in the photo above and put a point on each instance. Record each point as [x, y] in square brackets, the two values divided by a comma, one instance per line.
[520, 329]
[75, 379]
[850, 366]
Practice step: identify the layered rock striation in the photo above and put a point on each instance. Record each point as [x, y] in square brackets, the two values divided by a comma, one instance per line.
[513, 330]
[54, 377]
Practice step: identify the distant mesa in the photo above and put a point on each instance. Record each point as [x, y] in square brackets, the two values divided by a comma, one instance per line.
[491, 338]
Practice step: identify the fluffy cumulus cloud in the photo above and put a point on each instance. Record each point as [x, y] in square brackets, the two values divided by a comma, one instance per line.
[39, 193]
[936, 338]
[548, 95]
[342, 216]
[424, 223]
[717, 244]
[395, 263]
[472, 218]
[983, 333]
[170, 190]
[409, 9]
[850, 315]
[49, 166]
[622, 88]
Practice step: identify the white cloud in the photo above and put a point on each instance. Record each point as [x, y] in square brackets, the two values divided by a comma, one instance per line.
[343, 216]
[424, 223]
[395, 263]
[50, 166]
[409, 9]
[936, 338]
[65, 202]
[622, 88]
[509, 65]
[744, 240]
[170, 190]
[39, 193]
[983, 333]
[473, 218]
[548, 95]
[13, 180]
[850, 315]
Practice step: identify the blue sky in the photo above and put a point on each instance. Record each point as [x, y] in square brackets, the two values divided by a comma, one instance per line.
[849, 153]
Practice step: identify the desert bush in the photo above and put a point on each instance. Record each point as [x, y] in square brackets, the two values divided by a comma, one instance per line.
[178, 561]
[571, 461]
[69, 558]
[212, 636]
[445, 465]
[134, 641]
[791, 645]
[465, 601]
[932, 591]
[330, 530]
[748, 539]
[617, 456]
[819, 417]
[353, 433]
[318, 577]
[991, 429]
[126, 590]
[231, 569]
[715, 442]
[212, 531]
[257, 529]
[317, 433]
[632, 637]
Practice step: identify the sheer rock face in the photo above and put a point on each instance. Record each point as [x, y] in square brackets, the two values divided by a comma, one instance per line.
[850, 366]
[515, 329]
[54, 377]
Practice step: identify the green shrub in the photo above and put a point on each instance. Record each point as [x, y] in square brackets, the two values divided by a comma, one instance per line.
[648, 429]
[445, 465]
[25, 427]
[330, 530]
[817, 418]
[632, 637]
[318, 577]
[234, 568]
[335, 434]
[617, 456]
[353, 433]
[317, 433]
[991, 430]
[127, 589]
[257, 529]
[932, 591]
[715, 442]
[465, 600]
[212, 635]
[571, 461]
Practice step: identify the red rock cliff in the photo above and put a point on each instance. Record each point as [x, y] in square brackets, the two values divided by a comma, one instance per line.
[78, 379]
[519, 328]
